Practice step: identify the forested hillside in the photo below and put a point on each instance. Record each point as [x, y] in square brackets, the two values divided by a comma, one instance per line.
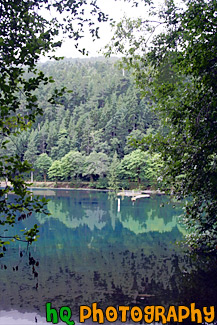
[85, 136]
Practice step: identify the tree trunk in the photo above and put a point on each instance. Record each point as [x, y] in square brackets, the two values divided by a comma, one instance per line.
[32, 176]
[6, 184]
[139, 182]
[45, 177]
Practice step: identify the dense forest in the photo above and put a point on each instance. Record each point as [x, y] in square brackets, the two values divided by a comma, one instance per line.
[86, 135]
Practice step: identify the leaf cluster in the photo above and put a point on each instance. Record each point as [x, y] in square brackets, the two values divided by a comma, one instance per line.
[174, 62]
[30, 29]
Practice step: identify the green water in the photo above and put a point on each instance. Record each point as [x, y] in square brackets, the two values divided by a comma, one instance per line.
[89, 252]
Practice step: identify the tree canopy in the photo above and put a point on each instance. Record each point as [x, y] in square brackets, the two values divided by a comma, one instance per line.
[173, 57]
[26, 35]
[103, 121]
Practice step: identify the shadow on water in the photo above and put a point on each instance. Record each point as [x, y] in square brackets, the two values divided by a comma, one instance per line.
[88, 252]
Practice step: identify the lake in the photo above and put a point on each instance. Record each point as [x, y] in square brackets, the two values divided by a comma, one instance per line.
[89, 252]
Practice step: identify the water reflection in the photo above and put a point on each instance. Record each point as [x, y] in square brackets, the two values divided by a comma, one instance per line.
[89, 252]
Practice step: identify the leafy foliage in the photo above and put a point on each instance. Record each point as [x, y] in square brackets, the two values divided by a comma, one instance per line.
[26, 35]
[142, 167]
[55, 171]
[43, 164]
[96, 164]
[103, 121]
[133, 165]
[72, 165]
[177, 68]
[114, 173]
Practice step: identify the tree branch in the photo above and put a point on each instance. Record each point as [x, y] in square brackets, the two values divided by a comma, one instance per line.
[13, 237]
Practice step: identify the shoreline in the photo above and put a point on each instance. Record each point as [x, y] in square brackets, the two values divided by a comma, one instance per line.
[69, 188]
[51, 186]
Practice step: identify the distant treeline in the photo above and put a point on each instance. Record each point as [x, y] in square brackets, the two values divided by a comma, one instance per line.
[86, 134]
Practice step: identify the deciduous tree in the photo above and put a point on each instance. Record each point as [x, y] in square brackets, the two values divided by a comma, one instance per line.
[96, 164]
[25, 35]
[173, 56]
[55, 171]
[72, 165]
[43, 163]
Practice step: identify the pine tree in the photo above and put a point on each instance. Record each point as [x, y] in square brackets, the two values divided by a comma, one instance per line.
[113, 173]
[32, 151]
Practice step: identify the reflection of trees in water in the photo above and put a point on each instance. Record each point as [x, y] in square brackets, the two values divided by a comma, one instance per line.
[151, 209]
[200, 284]
[147, 214]
[94, 209]
[113, 270]
[111, 278]
[104, 262]
[67, 282]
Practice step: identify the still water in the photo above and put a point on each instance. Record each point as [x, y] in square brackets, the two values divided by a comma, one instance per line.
[89, 252]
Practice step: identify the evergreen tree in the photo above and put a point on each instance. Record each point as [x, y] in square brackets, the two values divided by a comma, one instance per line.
[25, 35]
[42, 137]
[52, 138]
[32, 151]
[113, 173]
[63, 143]
[136, 136]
